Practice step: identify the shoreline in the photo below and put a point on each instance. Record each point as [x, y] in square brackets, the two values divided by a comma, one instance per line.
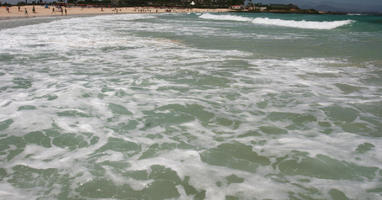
[73, 11]
[52, 11]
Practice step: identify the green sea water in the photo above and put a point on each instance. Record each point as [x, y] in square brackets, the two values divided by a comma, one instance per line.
[191, 106]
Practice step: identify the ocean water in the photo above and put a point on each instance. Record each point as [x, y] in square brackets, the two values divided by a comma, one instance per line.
[191, 106]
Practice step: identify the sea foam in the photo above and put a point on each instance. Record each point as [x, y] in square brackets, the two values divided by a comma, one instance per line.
[225, 17]
[321, 25]
[325, 25]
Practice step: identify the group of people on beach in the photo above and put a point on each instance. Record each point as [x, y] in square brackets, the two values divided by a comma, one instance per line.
[60, 8]
[64, 9]
[25, 10]
[156, 10]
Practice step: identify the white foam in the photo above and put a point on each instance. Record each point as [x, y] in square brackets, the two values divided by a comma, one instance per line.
[321, 25]
[145, 62]
[324, 25]
[225, 17]
[7, 191]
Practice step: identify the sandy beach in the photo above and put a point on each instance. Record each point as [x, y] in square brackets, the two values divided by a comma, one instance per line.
[27, 11]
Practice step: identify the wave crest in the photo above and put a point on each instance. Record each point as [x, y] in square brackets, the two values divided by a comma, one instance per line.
[321, 25]
[225, 17]
[325, 25]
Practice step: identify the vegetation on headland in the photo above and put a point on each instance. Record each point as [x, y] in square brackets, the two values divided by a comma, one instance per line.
[277, 8]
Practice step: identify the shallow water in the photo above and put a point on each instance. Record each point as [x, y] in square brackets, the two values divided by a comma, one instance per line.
[178, 106]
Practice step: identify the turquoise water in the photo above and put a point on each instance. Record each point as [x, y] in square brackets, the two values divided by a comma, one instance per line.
[191, 106]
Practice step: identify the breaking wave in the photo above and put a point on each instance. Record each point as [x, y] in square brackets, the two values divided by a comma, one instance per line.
[323, 25]
[225, 17]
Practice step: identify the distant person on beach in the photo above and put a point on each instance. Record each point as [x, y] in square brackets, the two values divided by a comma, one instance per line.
[26, 11]
[33, 9]
[7, 8]
[66, 12]
[53, 10]
[19, 8]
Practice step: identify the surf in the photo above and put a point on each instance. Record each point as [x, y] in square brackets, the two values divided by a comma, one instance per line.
[303, 24]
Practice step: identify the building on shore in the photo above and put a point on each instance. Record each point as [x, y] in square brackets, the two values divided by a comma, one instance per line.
[237, 7]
